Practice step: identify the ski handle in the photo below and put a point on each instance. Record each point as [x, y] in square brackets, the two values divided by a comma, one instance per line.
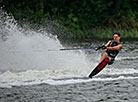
[92, 48]
[77, 49]
[102, 47]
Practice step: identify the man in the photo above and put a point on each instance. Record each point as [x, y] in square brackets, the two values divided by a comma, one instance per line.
[113, 47]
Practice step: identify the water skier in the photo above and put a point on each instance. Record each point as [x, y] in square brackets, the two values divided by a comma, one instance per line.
[112, 49]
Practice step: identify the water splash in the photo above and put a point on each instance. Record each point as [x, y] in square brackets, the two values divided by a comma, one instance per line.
[25, 56]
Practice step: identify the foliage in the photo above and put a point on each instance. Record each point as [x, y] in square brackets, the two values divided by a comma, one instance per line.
[82, 18]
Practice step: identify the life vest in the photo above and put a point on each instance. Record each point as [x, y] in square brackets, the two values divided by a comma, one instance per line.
[113, 53]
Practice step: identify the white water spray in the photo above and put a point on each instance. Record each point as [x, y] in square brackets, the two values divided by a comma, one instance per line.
[27, 57]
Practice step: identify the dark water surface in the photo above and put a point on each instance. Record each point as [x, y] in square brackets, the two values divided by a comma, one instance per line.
[105, 91]
[116, 83]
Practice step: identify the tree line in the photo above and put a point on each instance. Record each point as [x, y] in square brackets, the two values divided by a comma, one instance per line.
[77, 15]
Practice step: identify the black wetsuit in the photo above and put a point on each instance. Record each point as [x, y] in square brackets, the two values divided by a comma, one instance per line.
[112, 53]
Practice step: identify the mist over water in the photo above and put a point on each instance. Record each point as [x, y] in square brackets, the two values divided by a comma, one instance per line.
[26, 54]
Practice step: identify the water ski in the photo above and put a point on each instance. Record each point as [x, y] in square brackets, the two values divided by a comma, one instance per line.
[99, 67]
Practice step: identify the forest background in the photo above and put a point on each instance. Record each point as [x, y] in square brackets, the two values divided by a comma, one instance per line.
[78, 20]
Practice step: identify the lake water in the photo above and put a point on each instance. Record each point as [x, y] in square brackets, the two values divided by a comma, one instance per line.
[31, 72]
